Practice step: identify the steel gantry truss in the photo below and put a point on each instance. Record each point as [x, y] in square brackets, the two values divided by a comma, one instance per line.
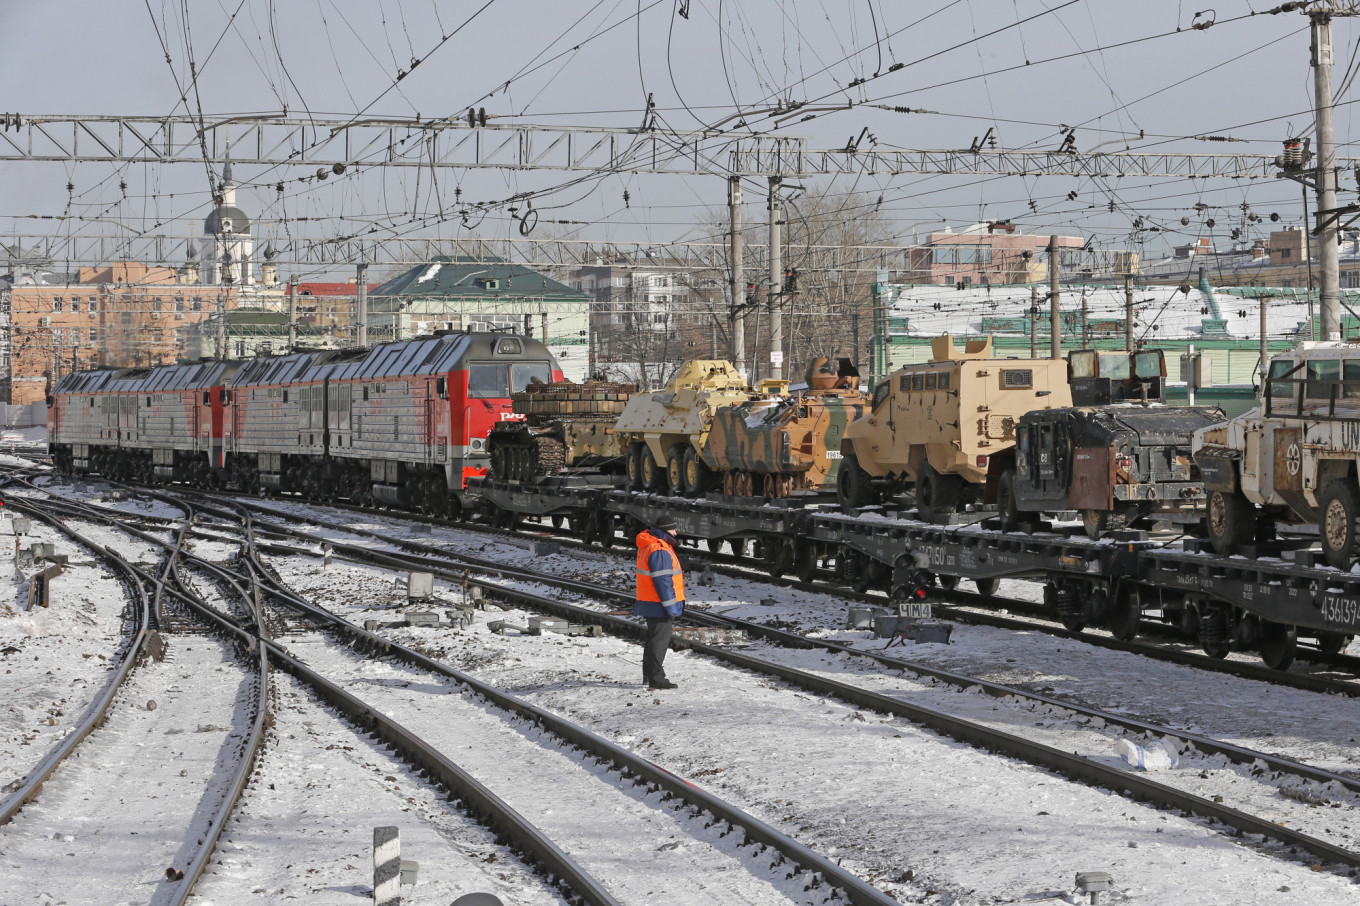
[338, 144]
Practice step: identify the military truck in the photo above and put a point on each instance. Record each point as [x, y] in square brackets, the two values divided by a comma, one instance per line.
[935, 426]
[1291, 459]
[1117, 456]
[563, 425]
[773, 446]
[663, 432]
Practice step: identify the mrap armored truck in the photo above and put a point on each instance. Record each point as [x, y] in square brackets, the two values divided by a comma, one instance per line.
[1291, 459]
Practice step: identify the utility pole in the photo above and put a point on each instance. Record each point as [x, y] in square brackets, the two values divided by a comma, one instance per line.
[1085, 320]
[1327, 217]
[1054, 317]
[292, 312]
[222, 327]
[361, 314]
[775, 297]
[1308, 257]
[1265, 355]
[1128, 312]
[543, 326]
[1033, 321]
[738, 313]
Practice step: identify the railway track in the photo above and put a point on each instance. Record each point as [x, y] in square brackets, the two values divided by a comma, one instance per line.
[193, 804]
[1211, 805]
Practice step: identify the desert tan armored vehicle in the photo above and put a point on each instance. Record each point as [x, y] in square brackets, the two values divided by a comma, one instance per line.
[564, 426]
[935, 426]
[773, 446]
[1291, 459]
[664, 431]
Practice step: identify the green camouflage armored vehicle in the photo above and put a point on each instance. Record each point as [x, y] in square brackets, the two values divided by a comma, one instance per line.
[774, 446]
[564, 426]
[664, 432]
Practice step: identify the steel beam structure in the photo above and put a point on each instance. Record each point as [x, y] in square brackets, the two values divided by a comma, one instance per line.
[327, 144]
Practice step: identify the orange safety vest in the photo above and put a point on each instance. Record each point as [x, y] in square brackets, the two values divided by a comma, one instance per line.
[646, 588]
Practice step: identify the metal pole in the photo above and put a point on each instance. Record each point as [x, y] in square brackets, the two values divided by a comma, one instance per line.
[1265, 355]
[1308, 257]
[1328, 259]
[1033, 321]
[292, 312]
[1085, 319]
[1054, 322]
[222, 327]
[543, 327]
[1128, 312]
[738, 314]
[361, 313]
[1190, 378]
[776, 295]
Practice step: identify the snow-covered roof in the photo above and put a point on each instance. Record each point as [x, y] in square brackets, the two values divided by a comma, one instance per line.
[1160, 312]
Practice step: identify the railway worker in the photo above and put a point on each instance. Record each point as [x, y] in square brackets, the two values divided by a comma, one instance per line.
[660, 596]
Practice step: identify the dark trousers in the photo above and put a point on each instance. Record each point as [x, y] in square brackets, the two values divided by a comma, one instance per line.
[654, 648]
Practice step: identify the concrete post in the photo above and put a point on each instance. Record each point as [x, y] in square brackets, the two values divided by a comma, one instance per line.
[776, 294]
[386, 865]
[738, 315]
[1054, 315]
[292, 312]
[1329, 260]
[361, 314]
[1033, 321]
[1128, 312]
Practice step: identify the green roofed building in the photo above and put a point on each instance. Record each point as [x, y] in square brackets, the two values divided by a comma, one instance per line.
[484, 294]
[255, 331]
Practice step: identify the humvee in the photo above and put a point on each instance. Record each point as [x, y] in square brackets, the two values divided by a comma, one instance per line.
[935, 426]
[1291, 459]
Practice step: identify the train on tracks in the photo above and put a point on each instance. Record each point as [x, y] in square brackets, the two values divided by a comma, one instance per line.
[407, 424]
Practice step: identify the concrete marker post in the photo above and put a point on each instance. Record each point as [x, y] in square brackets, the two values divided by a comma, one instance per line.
[386, 866]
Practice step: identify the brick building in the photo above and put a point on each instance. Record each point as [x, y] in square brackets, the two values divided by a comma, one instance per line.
[985, 253]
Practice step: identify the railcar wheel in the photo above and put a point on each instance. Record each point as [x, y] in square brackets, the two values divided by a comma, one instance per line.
[675, 471]
[1337, 523]
[948, 583]
[852, 485]
[1126, 614]
[653, 476]
[805, 561]
[1229, 519]
[557, 522]
[1007, 511]
[1279, 644]
[986, 587]
[1333, 642]
[605, 533]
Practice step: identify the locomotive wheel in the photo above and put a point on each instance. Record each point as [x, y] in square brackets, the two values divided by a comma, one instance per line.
[852, 485]
[675, 471]
[986, 587]
[1230, 520]
[634, 466]
[1006, 509]
[699, 478]
[1126, 613]
[1336, 524]
[653, 476]
[1279, 643]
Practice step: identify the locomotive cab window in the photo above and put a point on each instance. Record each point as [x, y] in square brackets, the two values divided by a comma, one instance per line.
[207, 397]
[486, 381]
[521, 376]
[441, 388]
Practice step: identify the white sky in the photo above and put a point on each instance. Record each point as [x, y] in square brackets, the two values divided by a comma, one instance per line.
[1248, 79]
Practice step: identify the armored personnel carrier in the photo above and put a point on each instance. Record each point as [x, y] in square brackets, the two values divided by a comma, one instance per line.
[664, 432]
[564, 426]
[1119, 455]
[1291, 459]
[935, 426]
[774, 446]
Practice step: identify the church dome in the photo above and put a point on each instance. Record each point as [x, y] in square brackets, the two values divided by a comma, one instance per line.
[227, 218]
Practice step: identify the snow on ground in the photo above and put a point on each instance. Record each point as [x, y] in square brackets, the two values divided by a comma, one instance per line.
[304, 828]
[55, 660]
[884, 795]
[142, 789]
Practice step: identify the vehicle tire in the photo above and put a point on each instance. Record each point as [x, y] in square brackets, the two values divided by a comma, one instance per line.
[634, 466]
[1337, 523]
[1096, 523]
[1279, 644]
[1229, 520]
[1213, 632]
[653, 476]
[1007, 511]
[987, 587]
[936, 494]
[852, 485]
[1126, 615]
[699, 478]
[675, 471]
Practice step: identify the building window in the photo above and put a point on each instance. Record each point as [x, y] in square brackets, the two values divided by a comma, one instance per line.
[156, 303]
[198, 305]
[94, 334]
[179, 303]
[157, 336]
[56, 303]
[56, 335]
[94, 305]
[179, 336]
